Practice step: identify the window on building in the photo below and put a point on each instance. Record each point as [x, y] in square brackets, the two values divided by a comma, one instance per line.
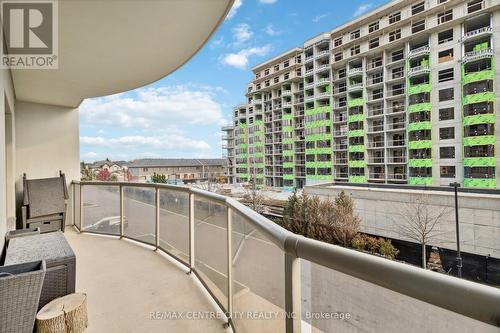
[266, 72]
[355, 34]
[355, 50]
[474, 6]
[286, 63]
[445, 56]
[394, 35]
[397, 72]
[375, 42]
[276, 68]
[276, 79]
[446, 75]
[445, 16]
[446, 114]
[337, 42]
[338, 56]
[447, 152]
[446, 133]
[447, 171]
[286, 76]
[418, 26]
[442, 1]
[479, 151]
[397, 55]
[373, 27]
[445, 36]
[267, 83]
[395, 17]
[446, 94]
[417, 8]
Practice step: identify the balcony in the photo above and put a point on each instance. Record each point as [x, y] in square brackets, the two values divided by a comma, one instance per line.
[309, 84]
[477, 33]
[419, 70]
[353, 72]
[322, 54]
[355, 87]
[240, 263]
[419, 51]
[191, 230]
[478, 54]
[112, 311]
[322, 68]
[396, 176]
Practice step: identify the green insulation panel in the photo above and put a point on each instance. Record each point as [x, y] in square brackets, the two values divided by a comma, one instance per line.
[420, 181]
[480, 182]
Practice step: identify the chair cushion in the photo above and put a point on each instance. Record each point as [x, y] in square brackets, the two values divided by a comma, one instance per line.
[45, 196]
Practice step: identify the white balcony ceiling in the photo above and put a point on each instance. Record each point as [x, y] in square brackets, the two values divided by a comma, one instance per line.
[106, 47]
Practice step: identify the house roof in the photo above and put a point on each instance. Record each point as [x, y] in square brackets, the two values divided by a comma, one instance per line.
[99, 164]
[175, 162]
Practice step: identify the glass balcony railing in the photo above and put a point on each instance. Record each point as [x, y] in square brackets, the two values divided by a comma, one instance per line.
[267, 279]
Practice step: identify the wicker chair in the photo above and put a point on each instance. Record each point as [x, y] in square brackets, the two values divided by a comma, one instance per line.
[20, 287]
[44, 203]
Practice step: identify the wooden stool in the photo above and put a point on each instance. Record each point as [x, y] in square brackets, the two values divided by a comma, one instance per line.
[67, 314]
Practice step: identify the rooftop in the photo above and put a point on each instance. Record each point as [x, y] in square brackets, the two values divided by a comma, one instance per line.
[174, 162]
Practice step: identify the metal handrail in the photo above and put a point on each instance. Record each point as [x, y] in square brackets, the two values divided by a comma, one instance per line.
[468, 298]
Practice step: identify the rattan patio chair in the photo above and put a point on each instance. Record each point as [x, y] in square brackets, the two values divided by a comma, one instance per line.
[44, 203]
[20, 289]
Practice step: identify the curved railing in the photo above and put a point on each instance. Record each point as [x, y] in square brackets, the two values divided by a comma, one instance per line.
[250, 265]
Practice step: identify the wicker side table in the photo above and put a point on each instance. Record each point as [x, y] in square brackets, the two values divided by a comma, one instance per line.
[58, 255]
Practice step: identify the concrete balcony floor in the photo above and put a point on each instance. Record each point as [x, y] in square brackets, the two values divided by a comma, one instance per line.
[126, 281]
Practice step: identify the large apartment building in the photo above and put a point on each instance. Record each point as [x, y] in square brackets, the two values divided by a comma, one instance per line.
[406, 94]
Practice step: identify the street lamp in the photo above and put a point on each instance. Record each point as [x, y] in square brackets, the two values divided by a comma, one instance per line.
[456, 185]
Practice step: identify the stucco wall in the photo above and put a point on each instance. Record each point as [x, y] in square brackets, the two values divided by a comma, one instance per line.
[7, 161]
[47, 140]
[380, 211]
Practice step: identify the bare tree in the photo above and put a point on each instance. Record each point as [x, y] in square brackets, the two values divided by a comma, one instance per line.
[253, 195]
[421, 221]
[212, 184]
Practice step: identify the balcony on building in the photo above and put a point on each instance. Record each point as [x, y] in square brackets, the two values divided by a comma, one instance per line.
[477, 49]
[477, 27]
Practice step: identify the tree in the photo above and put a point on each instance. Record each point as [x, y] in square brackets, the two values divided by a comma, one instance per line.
[103, 175]
[421, 222]
[157, 178]
[345, 223]
[253, 195]
[325, 220]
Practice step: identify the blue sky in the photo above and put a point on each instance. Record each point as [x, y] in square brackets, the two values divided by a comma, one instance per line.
[181, 115]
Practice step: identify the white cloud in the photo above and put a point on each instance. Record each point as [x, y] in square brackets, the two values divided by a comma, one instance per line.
[89, 155]
[236, 5]
[363, 9]
[148, 107]
[318, 18]
[269, 29]
[241, 34]
[240, 59]
[219, 42]
[165, 142]
[268, 2]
